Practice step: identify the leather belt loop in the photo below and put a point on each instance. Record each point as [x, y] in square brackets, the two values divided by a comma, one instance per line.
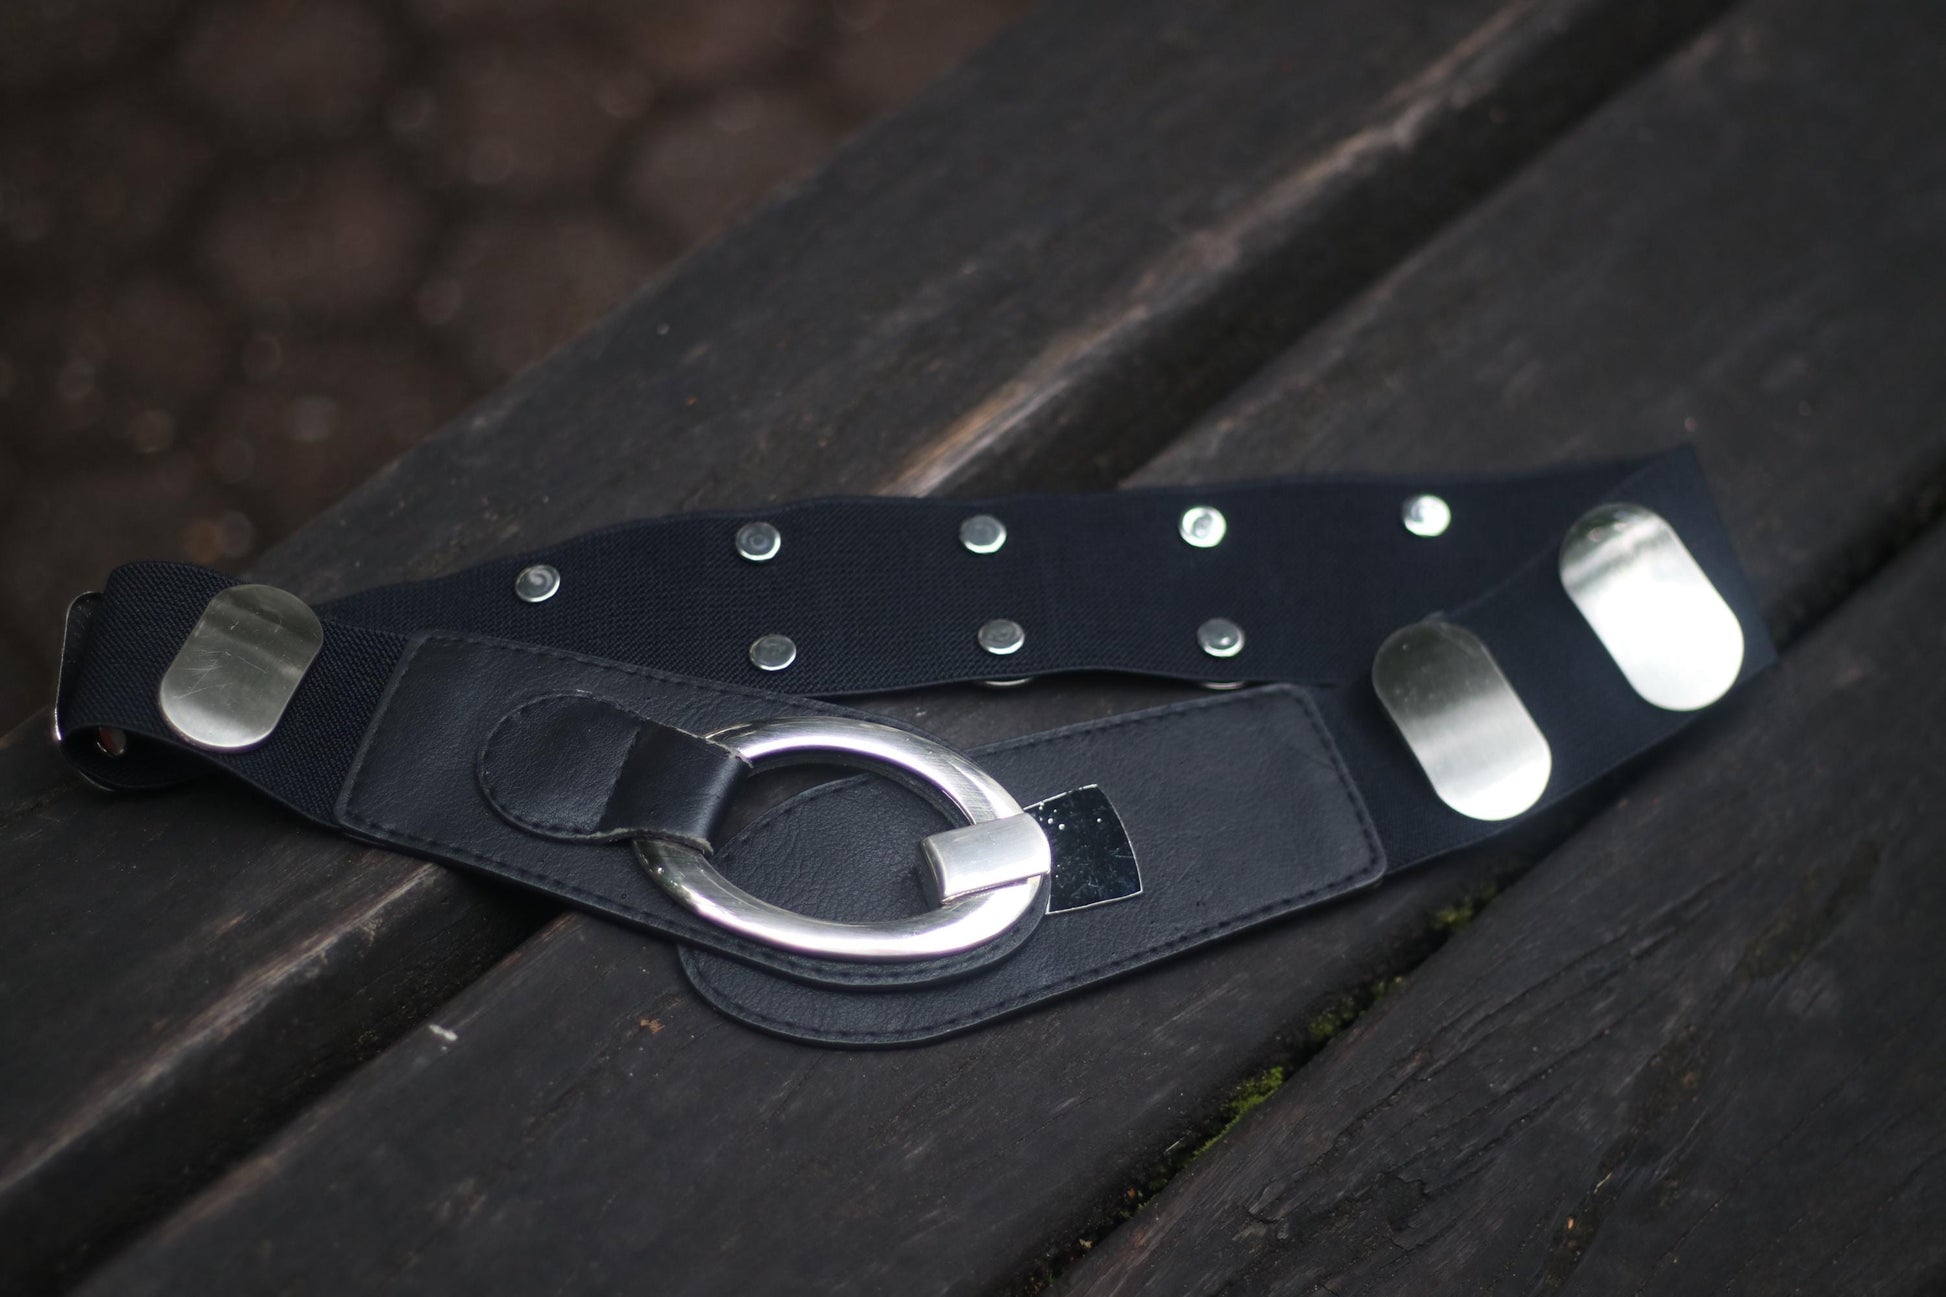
[583, 769]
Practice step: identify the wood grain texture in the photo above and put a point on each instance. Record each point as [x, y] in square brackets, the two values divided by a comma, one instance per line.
[590, 1122]
[1748, 259]
[1697, 1050]
[1034, 274]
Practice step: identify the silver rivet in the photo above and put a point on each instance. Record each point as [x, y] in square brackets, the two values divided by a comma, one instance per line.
[537, 584]
[983, 533]
[1426, 515]
[1220, 637]
[1203, 526]
[772, 652]
[1001, 637]
[759, 542]
[1015, 683]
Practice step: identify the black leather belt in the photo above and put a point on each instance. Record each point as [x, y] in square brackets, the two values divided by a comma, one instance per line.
[1429, 660]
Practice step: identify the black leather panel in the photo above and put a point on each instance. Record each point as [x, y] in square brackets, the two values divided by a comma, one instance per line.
[1239, 809]
[414, 785]
[581, 768]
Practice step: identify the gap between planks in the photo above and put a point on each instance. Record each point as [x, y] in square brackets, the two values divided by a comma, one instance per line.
[1195, 340]
[1539, 279]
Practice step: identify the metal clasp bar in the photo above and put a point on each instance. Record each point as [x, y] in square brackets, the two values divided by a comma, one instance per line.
[986, 876]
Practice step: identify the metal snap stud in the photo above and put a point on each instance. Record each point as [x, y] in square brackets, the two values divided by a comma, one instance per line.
[772, 652]
[111, 742]
[983, 533]
[1220, 637]
[1203, 526]
[1001, 637]
[1426, 515]
[759, 541]
[537, 584]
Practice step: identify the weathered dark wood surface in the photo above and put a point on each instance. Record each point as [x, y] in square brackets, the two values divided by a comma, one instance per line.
[1698, 1050]
[1033, 275]
[1742, 244]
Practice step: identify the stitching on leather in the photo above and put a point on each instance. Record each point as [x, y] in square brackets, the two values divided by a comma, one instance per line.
[492, 789]
[703, 937]
[703, 982]
[823, 972]
[1154, 715]
[673, 925]
[820, 971]
[1373, 850]
[676, 924]
[935, 970]
[999, 1008]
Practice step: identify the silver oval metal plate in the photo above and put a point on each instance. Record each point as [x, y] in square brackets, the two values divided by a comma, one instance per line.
[1652, 606]
[233, 677]
[1466, 726]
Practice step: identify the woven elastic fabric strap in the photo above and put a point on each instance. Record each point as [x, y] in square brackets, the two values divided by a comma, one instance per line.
[881, 594]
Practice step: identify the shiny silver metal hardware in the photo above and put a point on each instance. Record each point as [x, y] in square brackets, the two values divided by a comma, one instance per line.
[964, 862]
[1220, 637]
[1466, 726]
[772, 652]
[983, 534]
[992, 872]
[759, 541]
[233, 677]
[1094, 860]
[1426, 515]
[61, 667]
[109, 742]
[537, 584]
[1652, 606]
[1002, 636]
[1203, 526]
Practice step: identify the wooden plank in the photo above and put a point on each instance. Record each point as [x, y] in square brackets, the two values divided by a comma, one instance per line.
[1037, 270]
[591, 1122]
[1696, 1051]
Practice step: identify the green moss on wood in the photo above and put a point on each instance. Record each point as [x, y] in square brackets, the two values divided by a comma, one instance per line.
[1451, 918]
[1254, 1089]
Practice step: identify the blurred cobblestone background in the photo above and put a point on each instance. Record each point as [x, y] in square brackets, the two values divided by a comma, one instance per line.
[250, 250]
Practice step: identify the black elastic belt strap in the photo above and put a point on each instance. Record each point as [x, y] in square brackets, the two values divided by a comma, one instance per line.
[454, 720]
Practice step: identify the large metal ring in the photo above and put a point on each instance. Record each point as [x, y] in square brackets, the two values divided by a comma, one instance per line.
[987, 876]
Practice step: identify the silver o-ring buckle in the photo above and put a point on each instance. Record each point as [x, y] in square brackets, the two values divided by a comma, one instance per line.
[985, 876]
